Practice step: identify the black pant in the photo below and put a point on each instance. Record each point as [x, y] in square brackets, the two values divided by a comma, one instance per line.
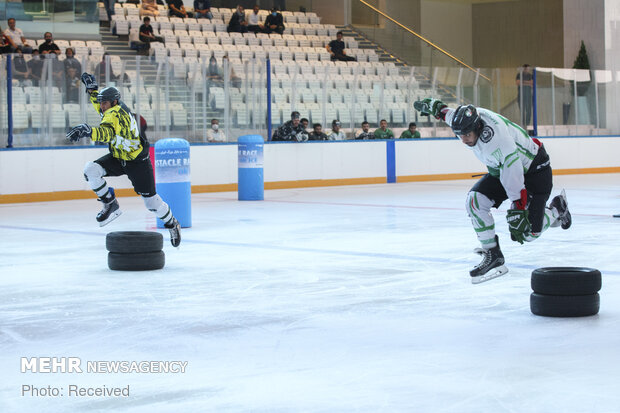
[139, 171]
[538, 182]
[526, 110]
[268, 30]
[343, 58]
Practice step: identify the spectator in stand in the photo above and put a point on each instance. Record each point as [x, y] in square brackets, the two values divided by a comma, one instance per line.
[202, 9]
[365, 133]
[274, 23]
[337, 134]
[336, 50]
[146, 32]
[102, 68]
[215, 134]
[17, 35]
[215, 75]
[109, 8]
[36, 67]
[49, 46]
[237, 21]
[383, 132]
[317, 133]
[71, 62]
[177, 9]
[72, 85]
[411, 133]
[253, 19]
[291, 131]
[304, 123]
[6, 44]
[149, 8]
[21, 71]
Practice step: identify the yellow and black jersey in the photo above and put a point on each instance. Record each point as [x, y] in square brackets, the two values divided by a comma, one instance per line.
[119, 129]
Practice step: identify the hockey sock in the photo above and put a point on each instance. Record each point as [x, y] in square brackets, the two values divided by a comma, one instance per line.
[157, 205]
[479, 210]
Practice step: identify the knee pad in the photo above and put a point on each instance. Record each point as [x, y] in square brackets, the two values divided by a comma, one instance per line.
[477, 201]
[93, 171]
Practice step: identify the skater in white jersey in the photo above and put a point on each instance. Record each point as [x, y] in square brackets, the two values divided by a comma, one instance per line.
[519, 170]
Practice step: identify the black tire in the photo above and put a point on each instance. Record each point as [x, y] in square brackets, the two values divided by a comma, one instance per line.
[130, 242]
[566, 281]
[564, 305]
[144, 261]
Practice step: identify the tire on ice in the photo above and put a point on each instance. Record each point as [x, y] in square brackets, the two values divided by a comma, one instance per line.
[564, 305]
[129, 242]
[566, 281]
[143, 261]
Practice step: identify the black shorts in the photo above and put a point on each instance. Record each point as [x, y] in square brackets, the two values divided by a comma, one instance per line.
[139, 172]
[538, 182]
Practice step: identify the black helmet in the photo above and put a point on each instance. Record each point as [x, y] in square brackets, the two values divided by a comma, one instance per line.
[465, 120]
[108, 94]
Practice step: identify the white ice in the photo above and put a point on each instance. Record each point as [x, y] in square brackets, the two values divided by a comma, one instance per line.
[339, 299]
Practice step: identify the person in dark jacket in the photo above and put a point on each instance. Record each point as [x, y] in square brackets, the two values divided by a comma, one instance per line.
[237, 21]
[291, 131]
[274, 23]
[317, 134]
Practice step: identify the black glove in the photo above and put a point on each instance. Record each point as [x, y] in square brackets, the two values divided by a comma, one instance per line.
[79, 132]
[89, 81]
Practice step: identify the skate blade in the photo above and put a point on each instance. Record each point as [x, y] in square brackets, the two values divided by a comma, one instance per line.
[111, 218]
[494, 273]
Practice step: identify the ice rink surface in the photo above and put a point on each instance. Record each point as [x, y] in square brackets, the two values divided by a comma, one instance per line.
[339, 299]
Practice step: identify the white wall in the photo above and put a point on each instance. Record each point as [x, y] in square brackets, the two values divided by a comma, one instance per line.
[53, 170]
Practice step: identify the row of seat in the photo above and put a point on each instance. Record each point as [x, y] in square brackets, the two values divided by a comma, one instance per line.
[286, 40]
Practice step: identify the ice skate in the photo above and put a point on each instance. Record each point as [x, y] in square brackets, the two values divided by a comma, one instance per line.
[111, 210]
[175, 232]
[492, 265]
[560, 204]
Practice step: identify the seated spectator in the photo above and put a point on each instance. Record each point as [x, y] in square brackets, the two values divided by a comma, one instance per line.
[177, 9]
[146, 32]
[336, 49]
[411, 133]
[234, 79]
[274, 23]
[21, 71]
[17, 36]
[49, 46]
[36, 67]
[71, 61]
[337, 134]
[291, 131]
[304, 123]
[149, 8]
[383, 132]
[365, 133]
[215, 134]
[253, 19]
[237, 22]
[6, 44]
[202, 9]
[317, 133]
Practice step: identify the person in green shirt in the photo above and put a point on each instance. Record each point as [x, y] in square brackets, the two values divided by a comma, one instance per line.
[411, 133]
[383, 132]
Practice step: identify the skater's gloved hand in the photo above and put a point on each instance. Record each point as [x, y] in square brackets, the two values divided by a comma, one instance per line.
[90, 82]
[522, 202]
[79, 132]
[430, 106]
[518, 224]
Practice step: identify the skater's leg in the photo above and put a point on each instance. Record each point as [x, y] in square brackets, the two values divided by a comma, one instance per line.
[94, 173]
[162, 211]
[478, 208]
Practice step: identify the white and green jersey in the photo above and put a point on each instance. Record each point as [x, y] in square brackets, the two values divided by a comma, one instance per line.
[505, 148]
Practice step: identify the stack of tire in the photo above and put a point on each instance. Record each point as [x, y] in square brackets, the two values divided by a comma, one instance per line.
[565, 291]
[135, 250]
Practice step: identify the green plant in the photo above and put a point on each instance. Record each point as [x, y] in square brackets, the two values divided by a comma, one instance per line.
[582, 62]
